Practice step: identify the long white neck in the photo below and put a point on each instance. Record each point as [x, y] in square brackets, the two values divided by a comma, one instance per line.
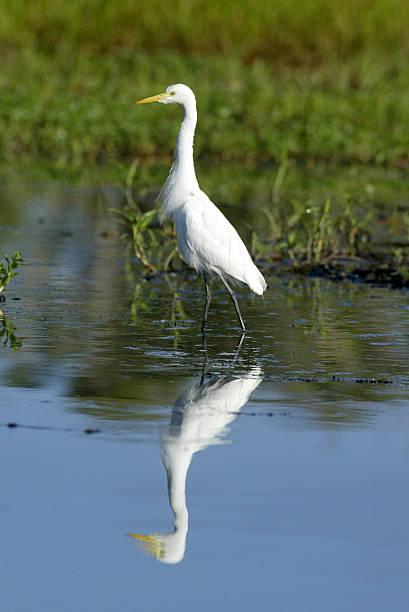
[176, 460]
[181, 181]
[183, 164]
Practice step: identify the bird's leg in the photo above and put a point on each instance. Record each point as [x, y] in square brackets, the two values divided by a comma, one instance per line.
[238, 347]
[205, 360]
[236, 305]
[207, 302]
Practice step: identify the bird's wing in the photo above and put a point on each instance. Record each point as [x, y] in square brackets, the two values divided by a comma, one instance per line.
[209, 242]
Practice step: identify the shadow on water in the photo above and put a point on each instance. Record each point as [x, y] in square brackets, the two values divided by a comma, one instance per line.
[200, 418]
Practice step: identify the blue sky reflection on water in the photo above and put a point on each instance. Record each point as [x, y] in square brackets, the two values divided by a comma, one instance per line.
[297, 496]
[287, 515]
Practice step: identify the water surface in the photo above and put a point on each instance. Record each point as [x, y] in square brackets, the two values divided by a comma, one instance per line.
[277, 478]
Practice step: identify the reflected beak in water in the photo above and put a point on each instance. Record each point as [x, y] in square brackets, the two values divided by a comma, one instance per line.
[152, 544]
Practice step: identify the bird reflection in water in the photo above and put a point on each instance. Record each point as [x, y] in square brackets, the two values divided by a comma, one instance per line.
[200, 418]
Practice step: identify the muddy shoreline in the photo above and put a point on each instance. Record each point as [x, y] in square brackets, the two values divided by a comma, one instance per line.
[373, 271]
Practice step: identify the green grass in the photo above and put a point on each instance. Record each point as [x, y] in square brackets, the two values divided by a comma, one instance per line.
[278, 85]
[284, 31]
[316, 81]
[75, 110]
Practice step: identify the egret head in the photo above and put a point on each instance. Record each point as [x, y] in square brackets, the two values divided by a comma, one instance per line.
[165, 547]
[174, 94]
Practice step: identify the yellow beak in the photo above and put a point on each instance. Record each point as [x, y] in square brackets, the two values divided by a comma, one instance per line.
[143, 538]
[157, 98]
[152, 544]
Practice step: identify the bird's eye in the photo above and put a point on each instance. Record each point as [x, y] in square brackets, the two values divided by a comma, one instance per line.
[172, 93]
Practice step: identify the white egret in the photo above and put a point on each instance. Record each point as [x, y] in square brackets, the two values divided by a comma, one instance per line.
[206, 239]
[200, 418]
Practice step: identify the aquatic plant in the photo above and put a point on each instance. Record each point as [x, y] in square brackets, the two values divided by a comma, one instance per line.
[154, 245]
[339, 235]
[7, 335]
[9, 269]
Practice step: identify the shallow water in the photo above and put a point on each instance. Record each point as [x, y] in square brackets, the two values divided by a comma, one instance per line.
[292, 454]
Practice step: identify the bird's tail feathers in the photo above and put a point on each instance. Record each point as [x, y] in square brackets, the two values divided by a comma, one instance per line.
[256, 281]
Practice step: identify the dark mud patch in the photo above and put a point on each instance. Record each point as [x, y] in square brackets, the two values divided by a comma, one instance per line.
[371, 270]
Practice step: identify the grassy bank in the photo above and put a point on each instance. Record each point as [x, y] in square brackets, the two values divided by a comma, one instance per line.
[282, 32]
[304, 85]
[76, 109]
[316, 81]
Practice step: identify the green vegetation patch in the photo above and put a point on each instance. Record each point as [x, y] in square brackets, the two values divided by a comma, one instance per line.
[280, 32]
[80, 109]
[9, 269]
[295, 229]
[277, 85]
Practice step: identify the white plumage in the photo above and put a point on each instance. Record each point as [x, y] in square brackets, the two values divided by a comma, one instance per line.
[207, 240]
[200, 418]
